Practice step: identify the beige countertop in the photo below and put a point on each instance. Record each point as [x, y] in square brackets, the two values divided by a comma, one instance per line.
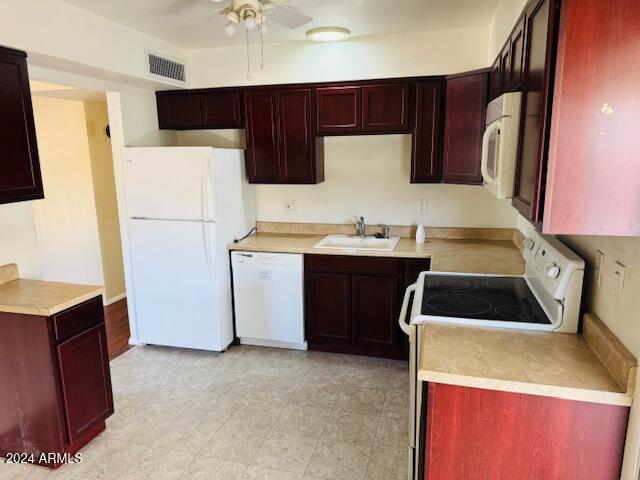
[538, 363]
[36, 297]
[447, 255]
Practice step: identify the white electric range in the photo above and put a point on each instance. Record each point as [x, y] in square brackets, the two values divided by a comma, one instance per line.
[545, 298]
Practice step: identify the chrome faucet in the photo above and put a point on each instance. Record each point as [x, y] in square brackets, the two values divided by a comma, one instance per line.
[361, 227]
[385, 230]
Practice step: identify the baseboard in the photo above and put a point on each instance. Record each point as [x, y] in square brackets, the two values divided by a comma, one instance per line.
[117, 298]
[273, 343]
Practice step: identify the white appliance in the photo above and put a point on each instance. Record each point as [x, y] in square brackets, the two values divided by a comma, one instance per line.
[268, 298]
[547, 297]
[500, 144]
[185, 205]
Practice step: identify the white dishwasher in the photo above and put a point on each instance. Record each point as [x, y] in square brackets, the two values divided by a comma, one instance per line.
[269, 299]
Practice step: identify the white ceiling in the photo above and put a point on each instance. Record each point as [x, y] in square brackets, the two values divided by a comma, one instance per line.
[175, 20]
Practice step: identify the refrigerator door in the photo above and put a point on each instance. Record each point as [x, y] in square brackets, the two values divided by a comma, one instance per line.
[174, 275]
[173, 183]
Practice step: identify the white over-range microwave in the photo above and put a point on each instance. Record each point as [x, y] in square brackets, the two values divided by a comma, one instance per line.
[500, 144]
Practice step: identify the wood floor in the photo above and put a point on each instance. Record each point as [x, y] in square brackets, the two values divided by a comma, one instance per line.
[117, 322]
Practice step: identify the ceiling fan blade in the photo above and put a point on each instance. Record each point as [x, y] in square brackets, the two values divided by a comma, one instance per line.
[319, 3]
[220, 11]
[287, 16]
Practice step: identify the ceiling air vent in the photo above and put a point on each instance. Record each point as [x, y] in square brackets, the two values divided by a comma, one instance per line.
[166, 69]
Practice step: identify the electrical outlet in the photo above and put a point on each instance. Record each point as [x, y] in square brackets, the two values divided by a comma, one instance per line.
[290, 207]
[422, 206]
[619, 273]
[598, 266]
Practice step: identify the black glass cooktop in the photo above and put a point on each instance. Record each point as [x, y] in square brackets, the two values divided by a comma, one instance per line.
[506, 299]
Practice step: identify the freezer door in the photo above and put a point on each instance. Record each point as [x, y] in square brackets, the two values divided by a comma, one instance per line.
[169, 183]
[174, 277]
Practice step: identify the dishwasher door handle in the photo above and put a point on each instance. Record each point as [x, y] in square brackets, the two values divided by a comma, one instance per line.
[406, 328]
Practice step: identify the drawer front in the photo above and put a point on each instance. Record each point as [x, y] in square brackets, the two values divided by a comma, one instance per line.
[77, 319]
[340, 264]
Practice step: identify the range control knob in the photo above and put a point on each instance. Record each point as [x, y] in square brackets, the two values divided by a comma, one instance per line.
[528, 243]
[552, 270]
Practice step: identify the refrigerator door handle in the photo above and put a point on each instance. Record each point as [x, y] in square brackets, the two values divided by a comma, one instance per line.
[205, 217]
[406, 328]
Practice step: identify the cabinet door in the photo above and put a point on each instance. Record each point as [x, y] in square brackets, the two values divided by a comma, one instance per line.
[375, 313]
[530, 168]
[495, 79]
[328, 309]
[86, 381]
[20, 177]
[262, 155]
[594, 170]
[427, 148]
[505, 66]
[385, 108]
[464, 126]
[517, 57]
[221, 109]
[179, 110]
[297, 145]
[339, 110]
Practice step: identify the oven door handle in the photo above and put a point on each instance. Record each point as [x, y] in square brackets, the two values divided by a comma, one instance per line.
[406, 328]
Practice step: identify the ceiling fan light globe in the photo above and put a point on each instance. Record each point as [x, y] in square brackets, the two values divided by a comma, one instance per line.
[232, 17]
[250, 23]
[230, 29]
[328, 34]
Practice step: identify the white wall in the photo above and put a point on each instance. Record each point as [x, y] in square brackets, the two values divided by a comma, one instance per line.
[65, 32]
[66, 220]
[18, 240]
[365, 175]
[397, 55]
[504, 19]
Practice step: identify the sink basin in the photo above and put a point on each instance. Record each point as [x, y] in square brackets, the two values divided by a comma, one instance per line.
[352, 242]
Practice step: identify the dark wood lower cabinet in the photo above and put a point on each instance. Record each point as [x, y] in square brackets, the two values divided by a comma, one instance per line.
[481, 434]
[55, 394]
[352, 303]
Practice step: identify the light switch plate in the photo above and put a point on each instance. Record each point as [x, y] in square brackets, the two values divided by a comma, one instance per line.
[619, 273]
[423, 205]
[598, 266]
[290, 206]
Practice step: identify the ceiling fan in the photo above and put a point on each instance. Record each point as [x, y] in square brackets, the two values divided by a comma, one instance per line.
[252, 14]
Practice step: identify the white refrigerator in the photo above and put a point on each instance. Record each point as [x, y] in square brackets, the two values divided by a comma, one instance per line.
[184, 206]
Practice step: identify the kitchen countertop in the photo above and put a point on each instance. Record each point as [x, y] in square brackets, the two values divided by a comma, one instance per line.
[557, 365]
[447, 255]
[37, 297]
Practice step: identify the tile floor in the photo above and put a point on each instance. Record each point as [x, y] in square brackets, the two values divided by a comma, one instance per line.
[250, 413]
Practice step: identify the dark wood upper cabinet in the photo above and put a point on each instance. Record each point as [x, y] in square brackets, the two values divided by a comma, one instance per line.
[426, 156]
[385, 108]
[20, 177]
[197, 109]
[339, 110]
[179, 110]
[300, 155]
[516, 57]
[262, 155]
[281, 142]
[593, 185]
[221, 109]
[505, 67]
[466, 100]
[495, 79]
[540, 37]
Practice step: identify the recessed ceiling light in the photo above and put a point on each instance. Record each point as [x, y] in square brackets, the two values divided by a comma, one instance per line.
[328, 34]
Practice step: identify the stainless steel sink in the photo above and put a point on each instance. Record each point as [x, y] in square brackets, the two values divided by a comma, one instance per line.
[352, 242]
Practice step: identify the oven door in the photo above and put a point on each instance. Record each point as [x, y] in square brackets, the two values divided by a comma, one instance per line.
[490, 164]
[410, 307]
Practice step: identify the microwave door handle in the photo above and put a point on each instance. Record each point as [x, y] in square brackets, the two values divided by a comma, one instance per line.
[406, 328]
[485, 152]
